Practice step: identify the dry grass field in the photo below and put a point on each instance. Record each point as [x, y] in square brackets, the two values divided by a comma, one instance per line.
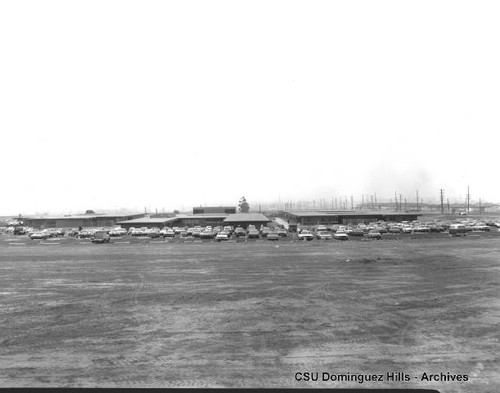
[159, 314]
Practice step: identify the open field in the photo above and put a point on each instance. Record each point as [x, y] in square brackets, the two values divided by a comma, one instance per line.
[159, 314]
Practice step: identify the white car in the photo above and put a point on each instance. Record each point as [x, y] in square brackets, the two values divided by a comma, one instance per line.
[222, 236]
[306, 235]
[39, 235]
[341, 235]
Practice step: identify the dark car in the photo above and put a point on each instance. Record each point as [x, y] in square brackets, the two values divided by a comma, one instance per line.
[273, 236]
[19, 231]
[282, 232]
[100, 237]
[240, 232]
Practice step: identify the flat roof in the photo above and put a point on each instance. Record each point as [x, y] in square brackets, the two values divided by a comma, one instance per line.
[81, 216]
[147, 220]
[214, 207]
[349, 213]
[247, 217]
[202, 215]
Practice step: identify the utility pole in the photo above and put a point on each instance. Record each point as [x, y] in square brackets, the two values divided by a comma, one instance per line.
[417, 200]
[406, 209]
[442, 199]
[468, 200]
[400, 201]
[352, 203]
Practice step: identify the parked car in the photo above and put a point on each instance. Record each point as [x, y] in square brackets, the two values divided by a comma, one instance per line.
[324, 235]
[253, 234]
[273, 236]
[19, 231]
[282, 232]
[356, 232]
[154, 233]
[457, 229]
[168, 233]
[306, 234]
[341, 235]
[239, 231]
[100, 237]
[41, 235]
[374, 234]
[222, 236]
[117, 232]
[85, 234]
[207, 234]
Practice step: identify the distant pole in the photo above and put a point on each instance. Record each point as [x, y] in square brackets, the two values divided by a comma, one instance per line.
[468, 199]
[352, 202]
[400, 201]
[406, 209]
[375, 200]
[362, 201]
[396, 199]
[442, 201]
[417, 200]
[448, 205]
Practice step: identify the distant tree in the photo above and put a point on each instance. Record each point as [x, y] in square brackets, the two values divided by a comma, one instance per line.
[176, 212]
[244, 207]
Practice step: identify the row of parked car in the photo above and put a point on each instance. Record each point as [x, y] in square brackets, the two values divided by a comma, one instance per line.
[376, 229]
[218, 233]
[373, 230]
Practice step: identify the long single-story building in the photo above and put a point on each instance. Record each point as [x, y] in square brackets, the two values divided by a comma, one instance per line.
[345, 217]
[148, 222]
[246, 219]
[78, 220]
[184, 220]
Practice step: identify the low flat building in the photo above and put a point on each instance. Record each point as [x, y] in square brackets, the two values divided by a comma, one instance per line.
[214, 210]
[202, 220]
[78, 220]
[345, 217]
[148, 222]
[246, 219]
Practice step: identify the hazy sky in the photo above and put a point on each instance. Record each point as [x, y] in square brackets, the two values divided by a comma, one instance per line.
[170, 104]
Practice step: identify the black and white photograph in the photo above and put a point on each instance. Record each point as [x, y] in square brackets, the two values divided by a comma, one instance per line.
[250, 194]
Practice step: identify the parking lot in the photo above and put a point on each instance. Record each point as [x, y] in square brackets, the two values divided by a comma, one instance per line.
[145, 312]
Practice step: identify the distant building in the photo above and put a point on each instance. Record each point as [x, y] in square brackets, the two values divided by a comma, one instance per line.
[78, 220]
[148, 222]
[214, 210]
[245, 219]
[345, 217]
[203, 220]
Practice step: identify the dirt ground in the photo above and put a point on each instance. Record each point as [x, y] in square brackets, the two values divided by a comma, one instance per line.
[158, 314]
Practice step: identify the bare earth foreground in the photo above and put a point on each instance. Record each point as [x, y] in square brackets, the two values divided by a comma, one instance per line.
[157, 314]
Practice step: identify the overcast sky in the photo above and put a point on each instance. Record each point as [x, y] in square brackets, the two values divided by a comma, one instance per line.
[170, 104]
